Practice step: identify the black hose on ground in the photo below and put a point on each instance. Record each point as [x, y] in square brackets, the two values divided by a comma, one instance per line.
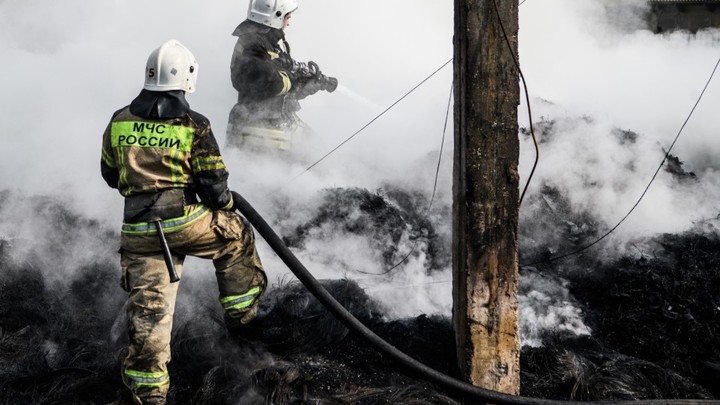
[431, 375]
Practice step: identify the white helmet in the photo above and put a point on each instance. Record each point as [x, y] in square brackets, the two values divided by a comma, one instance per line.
[171, 67]
[271, 12]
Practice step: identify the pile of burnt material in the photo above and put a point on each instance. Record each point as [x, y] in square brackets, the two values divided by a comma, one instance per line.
[654, 321]
[690, 15]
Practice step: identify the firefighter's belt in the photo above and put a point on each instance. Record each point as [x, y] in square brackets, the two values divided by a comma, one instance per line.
[161, 205]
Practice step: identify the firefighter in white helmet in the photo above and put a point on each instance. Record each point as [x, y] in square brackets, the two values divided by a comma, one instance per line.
[164, 159]
[268, 81]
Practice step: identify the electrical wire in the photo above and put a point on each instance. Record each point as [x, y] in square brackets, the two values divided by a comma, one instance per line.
[527, 100]
[432, 197]
[442, 146]
[532, 131]
[667, 154]
[415, 88]
[412, 90]
[371, 121]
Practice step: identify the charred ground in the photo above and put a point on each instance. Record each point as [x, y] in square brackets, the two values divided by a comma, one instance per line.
[654, 324]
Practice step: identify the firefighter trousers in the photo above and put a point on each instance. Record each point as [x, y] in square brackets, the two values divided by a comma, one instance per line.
[222, 236]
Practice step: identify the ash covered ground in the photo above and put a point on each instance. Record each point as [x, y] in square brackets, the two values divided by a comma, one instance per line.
[648, 319]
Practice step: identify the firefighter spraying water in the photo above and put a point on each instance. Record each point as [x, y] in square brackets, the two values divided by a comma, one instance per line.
[269, 82]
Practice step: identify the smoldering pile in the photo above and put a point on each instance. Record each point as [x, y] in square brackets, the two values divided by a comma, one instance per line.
[397, 223]
[61, 342]
[654, 322]
[653, 311]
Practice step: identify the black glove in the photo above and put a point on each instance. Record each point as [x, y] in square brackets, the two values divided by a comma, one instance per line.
[312, 80]
[284, 62]
[306, 78]
[296, 70]
[230, 205]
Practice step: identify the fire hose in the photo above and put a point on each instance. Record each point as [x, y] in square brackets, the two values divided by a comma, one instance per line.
[429, 374]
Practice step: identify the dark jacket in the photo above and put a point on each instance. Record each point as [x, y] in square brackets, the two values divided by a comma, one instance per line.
[157, 143]
[255, 72]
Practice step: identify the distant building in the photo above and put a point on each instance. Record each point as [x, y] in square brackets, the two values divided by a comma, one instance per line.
[691, 15]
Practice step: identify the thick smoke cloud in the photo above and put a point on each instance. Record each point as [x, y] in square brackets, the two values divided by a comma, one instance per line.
[65, 75]
[601, 70]
[591, 68]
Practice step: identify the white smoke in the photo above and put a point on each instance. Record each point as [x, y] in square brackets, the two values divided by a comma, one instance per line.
[591, 64]
[546, 305]
[68, 65]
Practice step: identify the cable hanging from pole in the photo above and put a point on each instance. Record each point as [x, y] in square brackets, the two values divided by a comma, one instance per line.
[662, 163]
[432, 196]
[415, 88]
[527, 100]
[371, 121]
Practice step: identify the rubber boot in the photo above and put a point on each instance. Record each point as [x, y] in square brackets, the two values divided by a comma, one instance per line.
[247, 332]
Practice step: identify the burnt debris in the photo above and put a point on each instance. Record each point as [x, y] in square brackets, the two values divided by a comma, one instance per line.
[654, 321]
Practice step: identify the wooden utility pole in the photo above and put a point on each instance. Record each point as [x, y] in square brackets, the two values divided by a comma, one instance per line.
[486, 194]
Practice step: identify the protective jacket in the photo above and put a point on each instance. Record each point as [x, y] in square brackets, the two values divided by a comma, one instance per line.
[157, 149]
[161, 155]
[267, 95]
[253, 70]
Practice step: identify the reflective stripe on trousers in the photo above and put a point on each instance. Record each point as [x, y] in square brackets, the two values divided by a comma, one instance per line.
[222, 237]
[146, 228]
[240, 302]
[143, 379]
[262, 137]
